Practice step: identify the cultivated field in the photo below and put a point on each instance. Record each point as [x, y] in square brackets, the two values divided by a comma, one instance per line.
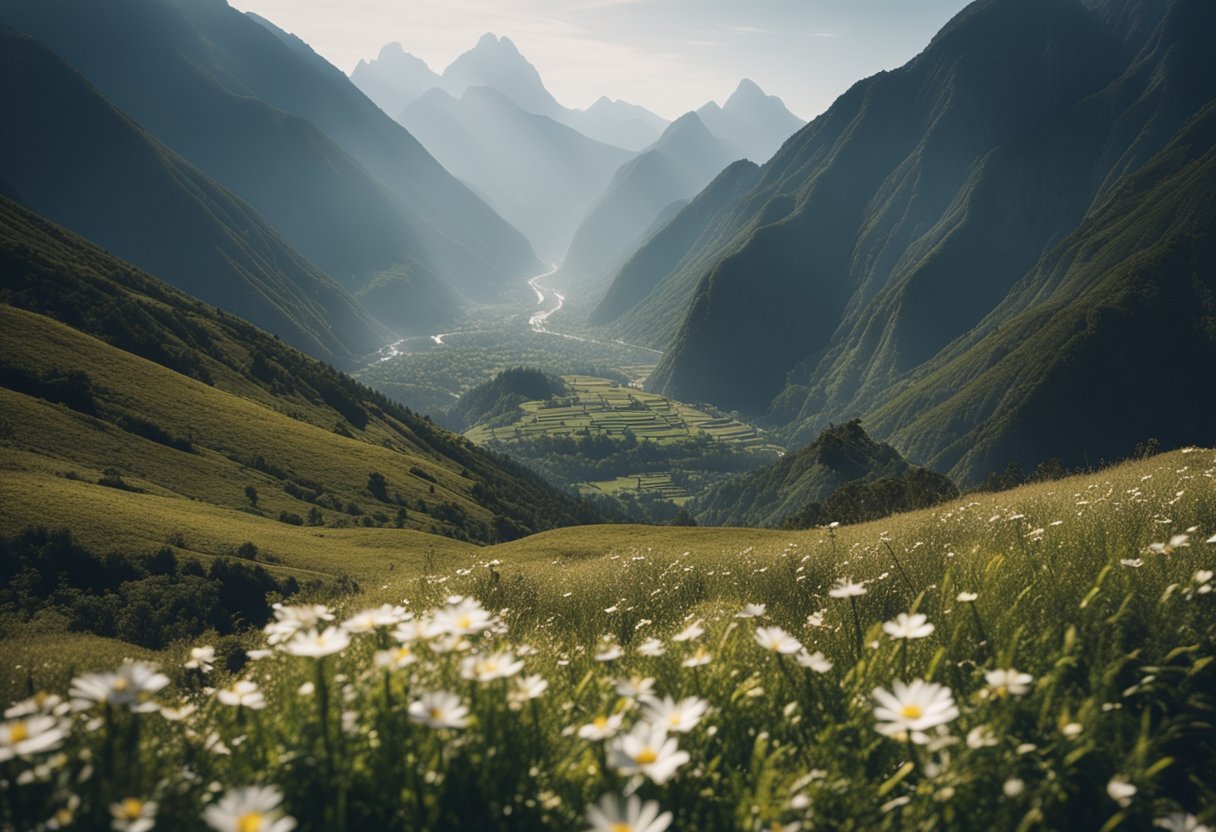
[605, 408]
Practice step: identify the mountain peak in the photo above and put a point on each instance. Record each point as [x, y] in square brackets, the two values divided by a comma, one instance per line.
[496, 62]
[747, 87]
[390, 50]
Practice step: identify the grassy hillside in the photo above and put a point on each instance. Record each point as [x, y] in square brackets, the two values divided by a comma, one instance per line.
[108, 368]
[1102, 719]
[842, 454]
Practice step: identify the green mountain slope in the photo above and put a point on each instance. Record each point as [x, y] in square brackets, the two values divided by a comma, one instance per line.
[86, 165]
[259, 111]
[684, 160]
[643, 283]
[778, 492]
[1108, 341]
[883, 234]
[108, 369]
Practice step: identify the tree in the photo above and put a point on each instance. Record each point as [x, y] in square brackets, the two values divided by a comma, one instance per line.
[377, 486]
[251, 494]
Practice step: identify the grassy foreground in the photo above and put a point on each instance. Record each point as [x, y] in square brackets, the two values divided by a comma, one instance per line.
[1093, 594]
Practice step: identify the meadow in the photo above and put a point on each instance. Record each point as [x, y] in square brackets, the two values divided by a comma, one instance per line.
[1040, 658]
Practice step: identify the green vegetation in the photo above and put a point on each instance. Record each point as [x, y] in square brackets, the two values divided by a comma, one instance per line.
[149, 600]
[843, 476]
[597, 407]
[1062, 701]
[966, 251]
[630, 451]
[110, 373]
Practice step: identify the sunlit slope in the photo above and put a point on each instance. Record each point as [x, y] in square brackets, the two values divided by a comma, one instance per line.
[202, 405]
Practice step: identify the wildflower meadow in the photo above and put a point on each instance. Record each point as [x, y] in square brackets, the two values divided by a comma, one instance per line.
[1037, 659]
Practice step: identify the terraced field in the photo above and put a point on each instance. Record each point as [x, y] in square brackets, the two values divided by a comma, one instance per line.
[605, 408]
[660, 484]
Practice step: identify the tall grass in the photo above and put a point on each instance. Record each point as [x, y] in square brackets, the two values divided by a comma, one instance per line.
[1115, 730]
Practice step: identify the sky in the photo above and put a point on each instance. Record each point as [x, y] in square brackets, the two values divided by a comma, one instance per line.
[668, 55]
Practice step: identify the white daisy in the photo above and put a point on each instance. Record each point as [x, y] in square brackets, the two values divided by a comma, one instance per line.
[1008, 682]
[133, 815]
[249, 809]
[631, 815]
[1121, 791]
[777, 640]
[132, 685]
[908, 626]
[1180, 821]
[679, 717]
[491, 666]
[440, 710]
[814, 661]
[395, 657]
[846, 588]
[700, 656]
[752, 611]
[202, 658]
[288, 620]
[31, 735]
[529, 687]
[651, 647]
[693, 630]
[635, 687]
[602, 727]
[379, 618]
[316, 645]
[462, 617]
[913, 708]
[242, 694]
[647, 750]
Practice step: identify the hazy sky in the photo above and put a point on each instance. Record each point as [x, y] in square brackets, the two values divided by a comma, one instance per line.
[668, 55]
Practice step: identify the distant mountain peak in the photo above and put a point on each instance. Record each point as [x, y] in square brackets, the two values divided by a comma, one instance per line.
[497, 62]
[747, 87]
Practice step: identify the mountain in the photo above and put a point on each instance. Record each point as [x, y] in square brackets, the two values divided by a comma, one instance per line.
[616, 122]
[682, 162]
[496, 62]
[394, 79]
[641, 283]
[540, 175]
[914, 211]
[86, 165]
[261, 113]
[842, 454]
[755, 123]
[163, 409]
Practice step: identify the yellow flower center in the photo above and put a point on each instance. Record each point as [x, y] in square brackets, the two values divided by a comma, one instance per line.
[132, 807]
[646, 756]
[18, 732]
[250, 822]
[912, 711]
[437, 714]
[464, 622]
[620, 827]
[674, 719]
[1000, 692]
[601, 722]
[121, 684]
[402, 653]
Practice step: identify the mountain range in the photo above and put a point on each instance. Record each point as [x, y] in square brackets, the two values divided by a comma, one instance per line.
[264, 116]
[962, 250]
[542, 165]
[82, 163]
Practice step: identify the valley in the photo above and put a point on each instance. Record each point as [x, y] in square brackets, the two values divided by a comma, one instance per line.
[449, 444]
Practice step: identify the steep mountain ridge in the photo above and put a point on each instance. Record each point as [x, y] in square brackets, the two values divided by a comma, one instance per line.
[683, 161]
[259, 111]
[890, 227]
[86, 165]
